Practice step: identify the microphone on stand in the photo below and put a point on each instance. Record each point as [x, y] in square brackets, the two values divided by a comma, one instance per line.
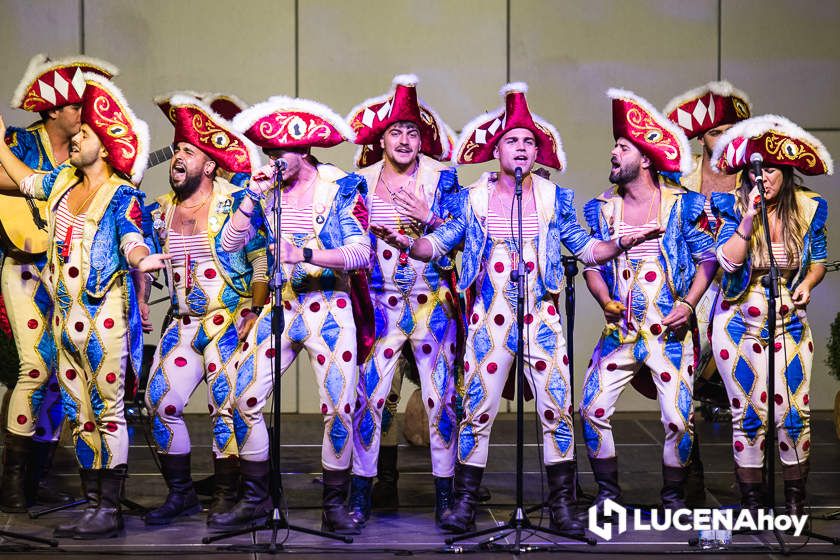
[755, 166]
[517, 173]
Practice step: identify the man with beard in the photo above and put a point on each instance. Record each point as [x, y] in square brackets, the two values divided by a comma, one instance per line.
[54, 89]
[415, 302]
[648, 293]
[705, 113]
[211, 295]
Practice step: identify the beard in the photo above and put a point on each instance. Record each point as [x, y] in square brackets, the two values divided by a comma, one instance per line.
[187, 186]
[623, 175]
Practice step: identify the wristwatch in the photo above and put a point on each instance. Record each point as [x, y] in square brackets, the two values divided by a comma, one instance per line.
[307, 255]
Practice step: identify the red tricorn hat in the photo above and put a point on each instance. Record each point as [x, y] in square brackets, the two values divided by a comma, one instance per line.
[197, 124]
[286, 122]
[49, 84]
[658, 138]
[778, 140]
[225, 104]
[371, 118]
[709, 106]
[125, 136]
[479, 137]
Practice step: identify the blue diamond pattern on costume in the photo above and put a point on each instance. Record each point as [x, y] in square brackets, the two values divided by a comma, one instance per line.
[380, 322]
[736, 328]
[446, 425]
[96, 402]
[795, 328]
[37, 398]
[793, 424]
[387, 418]
[438, 322]
[684, 400]
[432, 277]
[42, 299]
[684, 448]
[197, 300]
[638, 303]
[466, 442]
[481, 344]
[512, 338]
[264, 328]
[372, 378]
[240, 428]
[62, 298]
[66, 342]
[440, 374]
[228, 343]
[377, 281]
[69, 406]
[674, 351]
[200, 340]
[94, 351]
[367, 427]
[475, 393]
[161, 433]
[751, 422]
[169, 340]
[158, 387]
[330, 331]
[563, 436]
[794, 374]
[298, 278]
[298, 331]
[244, 375]
[665, 302]
[590, 435]
[334, 383]
[404, 277]
[546, 338]
[610, 343]
[640, 350]
[557, 389]
[406, 321]
[487, 291]
[744, 375]
[84, 454]
[230, 298]
[221, 432]
[220, 390]
[338, 435]
[46, 348]
[591, 387]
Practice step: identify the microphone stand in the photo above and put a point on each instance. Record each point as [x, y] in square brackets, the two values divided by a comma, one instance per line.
[518, 522]
[276, 520]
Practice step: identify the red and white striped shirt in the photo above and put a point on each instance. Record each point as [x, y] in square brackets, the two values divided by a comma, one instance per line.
[384, 213]
[197, 246]
[648, 249]
[296, 220]
[65, 219]
[503, 227]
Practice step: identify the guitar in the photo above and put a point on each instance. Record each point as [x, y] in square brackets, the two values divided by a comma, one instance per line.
[23, 229]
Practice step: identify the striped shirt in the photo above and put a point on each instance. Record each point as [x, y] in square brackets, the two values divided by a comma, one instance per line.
[384, 213]
[648, 249]
[65, 219]
[780, 256]
[503, 227]
[197, 246]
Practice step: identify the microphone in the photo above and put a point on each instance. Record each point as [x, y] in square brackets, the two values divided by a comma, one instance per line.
[755, 165]
[280, 164]
[517, 173]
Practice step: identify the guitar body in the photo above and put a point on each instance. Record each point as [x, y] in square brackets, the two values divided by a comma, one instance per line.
[19, 235]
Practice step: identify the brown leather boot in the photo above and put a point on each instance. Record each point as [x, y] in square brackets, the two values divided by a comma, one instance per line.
[795, 478]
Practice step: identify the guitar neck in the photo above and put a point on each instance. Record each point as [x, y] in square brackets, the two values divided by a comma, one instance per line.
[160, 156]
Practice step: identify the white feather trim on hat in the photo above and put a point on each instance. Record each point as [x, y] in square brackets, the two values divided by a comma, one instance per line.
[41, 63]
[757, 126]
[721, 88]
[468, 129]
[686, 165]
[183, 100]
[280, 103]
[520, 87]
[164, 98]
[138, 125]
[405, 80]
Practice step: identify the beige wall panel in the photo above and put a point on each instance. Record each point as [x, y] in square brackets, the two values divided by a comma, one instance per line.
[786, 56]
[28, 28]
[570, 53]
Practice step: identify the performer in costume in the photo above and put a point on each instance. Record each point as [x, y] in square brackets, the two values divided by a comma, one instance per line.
[211, 300]
[324, 234]
[95, 225]
[740, 339]
[403, 143]
[705, 113]
[483, 224]
[648, 293]
[54, 89]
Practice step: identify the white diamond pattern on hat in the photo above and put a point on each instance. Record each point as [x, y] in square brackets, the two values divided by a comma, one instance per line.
[47, 91]
[79, 82]
[741, 151]
[367, 117]
[684, 119]
[494, 126]
[480, 136]
[384, 111]
[711, 108]
[60, 85]
[700, 111]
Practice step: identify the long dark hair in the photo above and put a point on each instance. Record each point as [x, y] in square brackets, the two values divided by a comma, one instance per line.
[787, 210]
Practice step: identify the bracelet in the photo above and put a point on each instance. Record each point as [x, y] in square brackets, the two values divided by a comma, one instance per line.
[256, 309]
[741, 235]
[255, 196]
[682, 301]
[244, 213]
[618, 244]
[411, 241]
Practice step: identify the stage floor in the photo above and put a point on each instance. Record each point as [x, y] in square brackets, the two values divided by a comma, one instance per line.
[412, 530]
